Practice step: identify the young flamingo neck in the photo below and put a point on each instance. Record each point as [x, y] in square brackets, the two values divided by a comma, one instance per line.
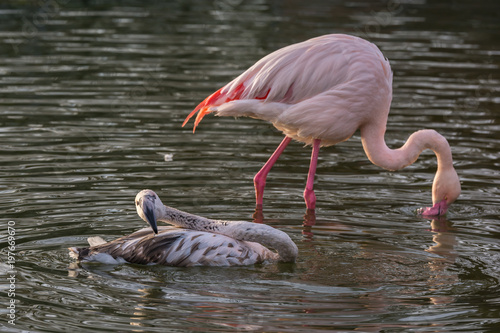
[240, 230]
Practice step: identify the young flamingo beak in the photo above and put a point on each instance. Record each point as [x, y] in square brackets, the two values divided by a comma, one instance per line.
[145, 206]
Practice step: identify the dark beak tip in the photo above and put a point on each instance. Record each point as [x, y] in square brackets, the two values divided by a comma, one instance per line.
[151, 219]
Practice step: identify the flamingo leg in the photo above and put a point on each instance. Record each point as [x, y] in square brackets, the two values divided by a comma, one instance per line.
[260, 178]
[309, 196]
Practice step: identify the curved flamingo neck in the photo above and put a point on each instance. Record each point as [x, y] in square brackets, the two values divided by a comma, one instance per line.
[394, 159]
[240, 230]
[446, 184]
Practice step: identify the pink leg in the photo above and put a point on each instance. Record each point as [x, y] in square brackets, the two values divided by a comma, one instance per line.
[309, 195]
[260, 178]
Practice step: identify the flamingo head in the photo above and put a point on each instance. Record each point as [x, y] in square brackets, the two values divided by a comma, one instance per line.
[148, 206]
[445, 190]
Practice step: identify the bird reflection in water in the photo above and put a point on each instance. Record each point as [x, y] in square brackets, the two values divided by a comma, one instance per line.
[445, 240]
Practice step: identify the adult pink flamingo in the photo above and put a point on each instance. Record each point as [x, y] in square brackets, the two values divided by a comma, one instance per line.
[320, 92]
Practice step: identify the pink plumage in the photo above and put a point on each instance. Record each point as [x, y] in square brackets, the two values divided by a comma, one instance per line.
[320, 92]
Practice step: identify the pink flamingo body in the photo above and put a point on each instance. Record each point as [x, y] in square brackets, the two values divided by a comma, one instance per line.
[320, 92]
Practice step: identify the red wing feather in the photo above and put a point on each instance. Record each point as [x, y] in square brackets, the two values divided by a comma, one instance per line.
[217, 98]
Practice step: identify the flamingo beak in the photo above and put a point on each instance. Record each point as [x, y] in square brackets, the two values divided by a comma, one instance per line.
[149, 213]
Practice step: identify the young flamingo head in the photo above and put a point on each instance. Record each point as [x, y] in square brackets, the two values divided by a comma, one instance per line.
[148, 206]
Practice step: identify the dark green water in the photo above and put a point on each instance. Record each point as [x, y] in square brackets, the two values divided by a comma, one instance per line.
[92, 98]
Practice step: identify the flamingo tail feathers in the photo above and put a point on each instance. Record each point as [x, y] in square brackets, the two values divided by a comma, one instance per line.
[216, 99]
[203, 107]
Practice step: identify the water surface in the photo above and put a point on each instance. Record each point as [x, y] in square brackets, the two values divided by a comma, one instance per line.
[92, 98]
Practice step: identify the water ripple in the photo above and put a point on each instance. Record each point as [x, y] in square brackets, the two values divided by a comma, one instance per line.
[93, 98]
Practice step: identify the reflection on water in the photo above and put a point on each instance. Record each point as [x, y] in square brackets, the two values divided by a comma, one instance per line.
[445, 241]
[92, 98]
